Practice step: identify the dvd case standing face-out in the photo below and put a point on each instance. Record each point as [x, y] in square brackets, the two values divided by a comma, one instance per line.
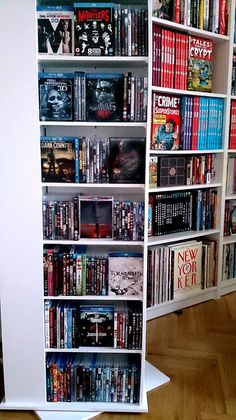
[94, 29]
[55, 30]
[104, 96]
[96, 215]
[58, 160]
[56, 96]
[127, 160]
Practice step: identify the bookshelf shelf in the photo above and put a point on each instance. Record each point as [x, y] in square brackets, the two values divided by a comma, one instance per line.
[107, 242]
[95, 298]
[94, 61]
[180, 236]
[91, 124]
[188, 92]
[94, 350]
[184, 187]
[184, 152]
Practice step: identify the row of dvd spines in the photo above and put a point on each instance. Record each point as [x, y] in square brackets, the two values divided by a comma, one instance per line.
[93, 378]
[69, 325]
[72, 218]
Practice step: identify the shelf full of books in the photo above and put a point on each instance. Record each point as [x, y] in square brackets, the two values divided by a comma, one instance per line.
[188, 103]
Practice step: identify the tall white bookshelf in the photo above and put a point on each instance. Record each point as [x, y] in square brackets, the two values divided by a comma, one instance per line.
[223, 54]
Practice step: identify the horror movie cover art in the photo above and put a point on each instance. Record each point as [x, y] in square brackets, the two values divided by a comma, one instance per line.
[104, 96]
[94, 29]
[56, 96]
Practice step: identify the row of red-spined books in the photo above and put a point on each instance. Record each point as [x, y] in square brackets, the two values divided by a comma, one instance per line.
[92, 377]
[68, 217]
[186, 122]
[230, 218]
[181, 61]
[231, 176]
[75, 271]
[68, 325]
[178, 212]
[229, 262]
[232, 128]
[208, 15]
[168, 278]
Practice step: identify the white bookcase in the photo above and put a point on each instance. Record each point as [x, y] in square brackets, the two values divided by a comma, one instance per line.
[21, 274]
[222, 71]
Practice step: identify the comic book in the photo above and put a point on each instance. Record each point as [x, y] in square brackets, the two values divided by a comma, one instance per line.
[55, 30]
[56, 96]
[94, 29]
[165, 122]
[200, 64]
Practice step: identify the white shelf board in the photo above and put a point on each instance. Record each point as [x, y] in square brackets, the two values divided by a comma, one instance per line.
[188, 92]
[93, 350]
[228, 286]
[101, 61]
[179, 236]
[91, 124]
[104, 186]
[109, 242]
[231, 150]
[230, 197]
[98, 298]
[190, 30]
[185, 152]
[175, 305]
[184, 187]
[229, 239]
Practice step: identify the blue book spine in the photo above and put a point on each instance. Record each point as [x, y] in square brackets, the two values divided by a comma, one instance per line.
[220, 123]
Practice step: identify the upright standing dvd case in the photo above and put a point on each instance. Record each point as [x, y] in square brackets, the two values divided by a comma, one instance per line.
[55, 30]
[56, 96]
[59, 159]
[104, 96]
[96, 325]
[96, 216]
[94, 29]
[200, 63]
[125, 273]
[165, 122]
[127, 160]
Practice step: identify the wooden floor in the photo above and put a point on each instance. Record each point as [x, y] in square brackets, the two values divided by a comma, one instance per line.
[196, 348]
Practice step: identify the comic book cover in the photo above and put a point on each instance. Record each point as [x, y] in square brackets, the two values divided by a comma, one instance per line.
[96, 325]
[127, 160]
[58, 159]
[165, 122]
[94, 29]
[200, 64]
[56, 96]
[104, 97]
[55, 30]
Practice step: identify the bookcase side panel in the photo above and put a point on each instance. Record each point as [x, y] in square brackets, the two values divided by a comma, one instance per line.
[21, 250]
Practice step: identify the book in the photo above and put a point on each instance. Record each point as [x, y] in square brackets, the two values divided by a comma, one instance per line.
[56, 96]
[165, 122]
[104, 96]
[200, 64]
[96, 216]
[171, 171]
[125, 273]
[153, 167]
[55, 30]
[94, 29]
[96, 325]
[187, 270]
[58, 159]
[127, 160]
